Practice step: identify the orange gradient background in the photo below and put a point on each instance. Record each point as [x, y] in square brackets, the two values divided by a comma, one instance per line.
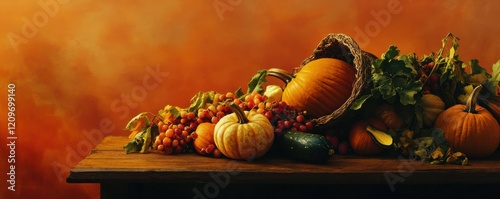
[86, 57]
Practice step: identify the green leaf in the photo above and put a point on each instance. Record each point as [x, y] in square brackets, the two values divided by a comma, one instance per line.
[255, 84]
[375, 93]
[438, 136]
[146, 137]
[142, 140]
[397, 67]
[476, 68]
[174, 111]
[451, 56]
[200, 100]
[357, 104]
[444, 41]
[446, 74]
[407, 94]
[492, 83]
[406, 97]
[496, 71]
[196, 102]
[452, 70]
[154, 132]
[136, 144]
[132, 123]
[454, 42]
[392, 77]
[131, 147]
[377, 65]
[239, 92]
[408, 64]
[386, 88]
[399, 83]
[391, 53]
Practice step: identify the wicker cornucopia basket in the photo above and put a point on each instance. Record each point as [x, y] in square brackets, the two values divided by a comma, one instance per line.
[343, 47]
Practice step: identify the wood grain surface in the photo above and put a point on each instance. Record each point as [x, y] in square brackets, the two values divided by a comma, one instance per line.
[109, 163]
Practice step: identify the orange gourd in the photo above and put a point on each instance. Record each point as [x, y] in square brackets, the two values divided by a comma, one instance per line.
[470, 128]
[320, 87]
[204, 138]
[243, 135]
[361, 141]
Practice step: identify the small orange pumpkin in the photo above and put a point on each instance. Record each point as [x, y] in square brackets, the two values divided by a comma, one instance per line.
[470, 128]
[243, 135]
[361, 141]
[320, 87]
[390, 117]
[204, 138]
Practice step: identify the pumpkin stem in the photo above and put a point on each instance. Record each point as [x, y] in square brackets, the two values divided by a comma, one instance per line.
[242, 118]
[470, 105]
[281, 74]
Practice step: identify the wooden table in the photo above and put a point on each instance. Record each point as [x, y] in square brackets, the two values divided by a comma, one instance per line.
[193, 176]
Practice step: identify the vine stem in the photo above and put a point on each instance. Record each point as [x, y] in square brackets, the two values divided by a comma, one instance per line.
[242, 118]
[470, 105]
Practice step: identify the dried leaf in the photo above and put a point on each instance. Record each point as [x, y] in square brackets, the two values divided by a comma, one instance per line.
[408, 133]
[459, 154]
[458, 158]
[137, 124]
[424, 142]
[437, 162]
[404, 141]
[437, 154]
[421, 154]
[451, 159]
[465, 161]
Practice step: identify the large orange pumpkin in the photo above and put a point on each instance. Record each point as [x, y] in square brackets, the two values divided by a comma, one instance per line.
[320, 87]
[470, 128]
[243, 135]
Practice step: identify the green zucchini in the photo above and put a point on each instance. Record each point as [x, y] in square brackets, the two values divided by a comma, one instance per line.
[306, 147]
